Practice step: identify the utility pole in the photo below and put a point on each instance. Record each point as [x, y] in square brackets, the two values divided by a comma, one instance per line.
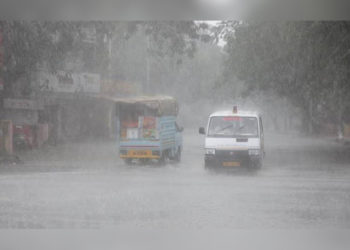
[146, 88]
[109, 37]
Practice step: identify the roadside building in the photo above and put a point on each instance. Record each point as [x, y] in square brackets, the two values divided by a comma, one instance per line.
[73, 105]
[29, 130]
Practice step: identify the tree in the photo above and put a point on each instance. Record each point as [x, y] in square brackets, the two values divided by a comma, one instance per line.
[28, 44]
[152, 55]
[298, 60]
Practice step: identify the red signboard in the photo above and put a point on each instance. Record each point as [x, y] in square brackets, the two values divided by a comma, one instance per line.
[149, 127]
[231, 118]
[130, 124]
[149, 122]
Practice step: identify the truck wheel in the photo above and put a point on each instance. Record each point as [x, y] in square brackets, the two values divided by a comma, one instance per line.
[128, 161]
[144, 161]
[259, 164]
[256, 164]
[162, 158]
[177, 157]
[207, 165]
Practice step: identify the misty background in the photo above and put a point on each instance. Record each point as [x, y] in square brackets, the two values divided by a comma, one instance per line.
[295, 73]
[57, 79]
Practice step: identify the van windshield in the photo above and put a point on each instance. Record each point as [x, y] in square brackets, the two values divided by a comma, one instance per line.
[233, 126]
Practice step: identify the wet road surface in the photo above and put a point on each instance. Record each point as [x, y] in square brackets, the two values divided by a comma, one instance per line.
[304, 183]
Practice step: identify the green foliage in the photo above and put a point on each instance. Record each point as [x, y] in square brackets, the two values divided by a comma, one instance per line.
[173, 37]
[307, 62]
[86, 46]
[29, 44]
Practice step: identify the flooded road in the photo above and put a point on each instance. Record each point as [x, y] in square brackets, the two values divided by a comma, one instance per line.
[304, 183]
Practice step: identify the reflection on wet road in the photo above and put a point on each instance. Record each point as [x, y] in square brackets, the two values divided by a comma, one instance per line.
[304, 184]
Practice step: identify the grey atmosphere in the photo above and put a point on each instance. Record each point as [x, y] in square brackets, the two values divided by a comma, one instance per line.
[68, 130]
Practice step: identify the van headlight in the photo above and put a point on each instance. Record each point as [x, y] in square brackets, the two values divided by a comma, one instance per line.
[210, 151]
[254, 151]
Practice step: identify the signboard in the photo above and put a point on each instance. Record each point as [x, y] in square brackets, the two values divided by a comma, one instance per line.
[65, 82]
[149, 127]
[90, 82]
[89, 35]
[117, 88]
[132, 133]
[21, 116]
[26, 104]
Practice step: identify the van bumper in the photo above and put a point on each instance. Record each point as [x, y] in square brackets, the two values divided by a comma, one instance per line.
[225, 158]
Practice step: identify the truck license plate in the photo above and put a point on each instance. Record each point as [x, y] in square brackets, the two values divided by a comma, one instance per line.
[140, 153]
[231, 164]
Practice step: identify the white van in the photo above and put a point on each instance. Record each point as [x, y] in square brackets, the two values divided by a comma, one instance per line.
[234, 139]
